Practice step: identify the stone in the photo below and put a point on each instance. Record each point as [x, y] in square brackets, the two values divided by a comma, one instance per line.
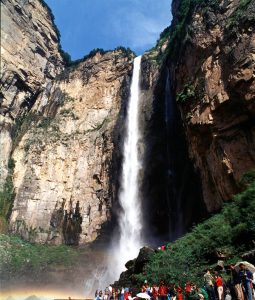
[142, 258]
[30, 58]
[220, 131]
[65, 158]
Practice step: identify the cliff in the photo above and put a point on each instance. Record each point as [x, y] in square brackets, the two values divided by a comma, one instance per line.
[67, 157]
[63, 126]
[60, 130]
[30, 58]
[211, 59]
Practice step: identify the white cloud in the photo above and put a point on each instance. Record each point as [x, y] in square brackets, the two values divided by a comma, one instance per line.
[135, 27]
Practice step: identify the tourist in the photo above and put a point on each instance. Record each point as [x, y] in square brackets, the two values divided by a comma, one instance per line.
[172, 291]
[106, 294]
[246, 277]
[162, 291]
[193, 295]
[200, 294]
[179, 294]
[209, 284]
[154, 292]
[122, 293]
[219, 285]
[97, 296]
[145, 287]
[126, 293]
[235, 282]
[188, 287]
[204, 293]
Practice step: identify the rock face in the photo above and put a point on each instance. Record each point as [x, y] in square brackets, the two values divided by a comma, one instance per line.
[30, 58]
[134, 267]
[214, 83]
[65, 161]
[170, 188]
[62, 126]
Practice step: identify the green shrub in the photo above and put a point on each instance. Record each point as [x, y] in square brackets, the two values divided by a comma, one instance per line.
[230, 232]
[22, 124]
[7, 195]
[187, 93]
[238, 15]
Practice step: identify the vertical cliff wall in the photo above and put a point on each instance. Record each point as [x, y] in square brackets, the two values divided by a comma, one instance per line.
[64, 161]
[63, 126]
[211, 60]
[29, 59]
[171, 191]
[60, 126]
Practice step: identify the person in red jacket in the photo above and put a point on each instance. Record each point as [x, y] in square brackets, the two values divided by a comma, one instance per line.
[188, 287]
[219, 285]
[155, 292]
[162, 290]
[126, 294]
[144, 287]
[179, 293]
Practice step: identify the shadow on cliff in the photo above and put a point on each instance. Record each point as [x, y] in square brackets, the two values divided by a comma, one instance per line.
[171, 190]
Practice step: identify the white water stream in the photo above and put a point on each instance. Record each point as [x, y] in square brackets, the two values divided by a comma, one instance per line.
[130, 217]
[126, 245]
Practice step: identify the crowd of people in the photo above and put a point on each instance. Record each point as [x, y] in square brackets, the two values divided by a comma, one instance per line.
[240, 286]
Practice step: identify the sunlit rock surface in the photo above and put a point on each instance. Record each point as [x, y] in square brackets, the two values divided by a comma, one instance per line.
[64, 176]
[29, 59]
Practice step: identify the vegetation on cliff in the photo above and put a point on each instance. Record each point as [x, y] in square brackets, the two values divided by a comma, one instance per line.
[125, 52]
[6, 197]
[180, 32]
[227, 234]
[17, 254]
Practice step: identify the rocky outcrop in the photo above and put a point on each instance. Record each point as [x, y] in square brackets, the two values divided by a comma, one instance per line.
[134, 268]
[67, 156]
[212, 65]
[30, 58]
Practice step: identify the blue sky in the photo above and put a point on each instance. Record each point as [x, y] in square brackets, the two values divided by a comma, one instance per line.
[88, 24]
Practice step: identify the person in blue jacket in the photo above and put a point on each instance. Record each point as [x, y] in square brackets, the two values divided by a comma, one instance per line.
[246, 278]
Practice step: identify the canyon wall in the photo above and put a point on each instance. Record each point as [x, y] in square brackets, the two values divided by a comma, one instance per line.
[64, 161]
[211, 59]
[30, 58]
[171, 191]
[61, 127]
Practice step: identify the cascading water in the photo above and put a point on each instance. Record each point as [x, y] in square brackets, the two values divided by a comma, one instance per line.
[130, 217]
[126, 245]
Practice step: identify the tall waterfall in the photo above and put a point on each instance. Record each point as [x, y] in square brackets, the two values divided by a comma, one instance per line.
[130, 217]
[126, 245]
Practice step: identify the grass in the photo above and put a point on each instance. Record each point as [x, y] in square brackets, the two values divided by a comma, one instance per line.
[230, 232]
[17, 254]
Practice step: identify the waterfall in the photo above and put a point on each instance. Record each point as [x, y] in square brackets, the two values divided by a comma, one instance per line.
[130, 217]
[127, 244]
